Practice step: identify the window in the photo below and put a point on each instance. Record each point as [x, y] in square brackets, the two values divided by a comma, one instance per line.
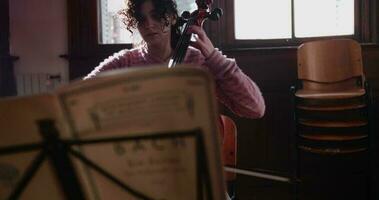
[112, 30]
[324, 18]
[297, 18]
[275, 23]
[257, 19]
[284, 29]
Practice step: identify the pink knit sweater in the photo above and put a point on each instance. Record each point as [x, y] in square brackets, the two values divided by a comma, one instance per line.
[234, 89]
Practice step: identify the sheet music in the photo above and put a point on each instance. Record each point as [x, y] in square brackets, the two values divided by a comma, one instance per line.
[146, 103]
[149, 102]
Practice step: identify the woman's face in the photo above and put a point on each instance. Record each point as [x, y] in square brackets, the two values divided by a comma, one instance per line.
[153, 29]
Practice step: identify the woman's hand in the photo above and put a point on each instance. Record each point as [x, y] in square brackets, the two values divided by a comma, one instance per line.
[202, 42]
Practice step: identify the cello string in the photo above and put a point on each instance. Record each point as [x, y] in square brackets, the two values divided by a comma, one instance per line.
[182, 46]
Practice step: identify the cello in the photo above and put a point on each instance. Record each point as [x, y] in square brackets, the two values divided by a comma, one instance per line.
[188, 19]
[227, 126]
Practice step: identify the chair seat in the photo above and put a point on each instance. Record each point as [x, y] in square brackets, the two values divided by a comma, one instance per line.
[314, 94]
[331, 107]
[334, 137]
[333, 124]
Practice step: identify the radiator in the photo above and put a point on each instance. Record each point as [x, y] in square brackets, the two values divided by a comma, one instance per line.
[29, 84]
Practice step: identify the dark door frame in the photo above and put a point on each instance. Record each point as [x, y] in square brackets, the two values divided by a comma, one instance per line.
[7, 80]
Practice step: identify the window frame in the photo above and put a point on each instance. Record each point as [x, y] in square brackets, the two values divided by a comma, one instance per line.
[363, 27]
[83, 27]
[84, 44]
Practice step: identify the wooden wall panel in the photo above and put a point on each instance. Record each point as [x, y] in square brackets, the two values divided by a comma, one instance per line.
[274, 72]
[371, 62]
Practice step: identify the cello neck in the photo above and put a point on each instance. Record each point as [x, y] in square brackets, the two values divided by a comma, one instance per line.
[195, 18]
[181, 47]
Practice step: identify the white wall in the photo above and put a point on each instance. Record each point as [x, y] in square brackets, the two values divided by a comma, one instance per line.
[38, 35]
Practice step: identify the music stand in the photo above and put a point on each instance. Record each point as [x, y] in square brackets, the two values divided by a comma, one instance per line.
[58, 152]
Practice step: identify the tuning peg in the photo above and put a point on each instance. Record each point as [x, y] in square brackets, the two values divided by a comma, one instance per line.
[186, 15]
[215, 14]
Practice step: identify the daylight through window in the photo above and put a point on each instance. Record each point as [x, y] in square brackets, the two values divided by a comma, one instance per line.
[113, 30]
[257, 19]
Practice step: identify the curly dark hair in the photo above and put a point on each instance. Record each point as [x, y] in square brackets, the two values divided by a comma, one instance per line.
[131, 15]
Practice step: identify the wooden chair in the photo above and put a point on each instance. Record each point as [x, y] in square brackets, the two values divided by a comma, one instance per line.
[330, 75]
[330, 69]
[331, 115]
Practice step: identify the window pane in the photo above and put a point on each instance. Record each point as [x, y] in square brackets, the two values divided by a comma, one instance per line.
[186, 5]
[324, 17]
[113, 30]
[262, 19]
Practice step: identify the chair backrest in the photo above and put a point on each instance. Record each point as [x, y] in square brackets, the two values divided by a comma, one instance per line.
[329, 61]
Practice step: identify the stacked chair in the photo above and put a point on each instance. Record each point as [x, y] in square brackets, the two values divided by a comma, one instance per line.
[332, 139]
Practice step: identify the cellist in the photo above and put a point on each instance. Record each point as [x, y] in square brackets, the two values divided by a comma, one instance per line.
[156, 22]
